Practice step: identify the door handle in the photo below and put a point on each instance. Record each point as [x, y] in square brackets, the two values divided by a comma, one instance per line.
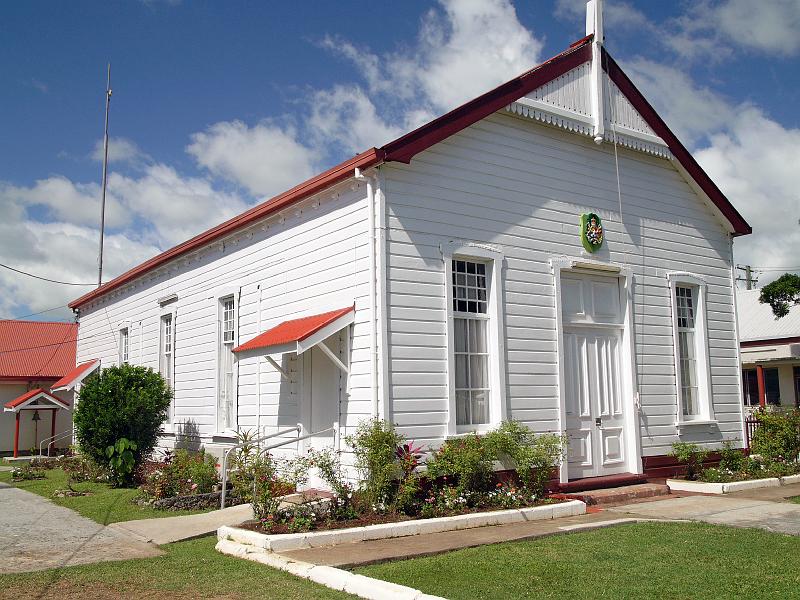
[598, 422]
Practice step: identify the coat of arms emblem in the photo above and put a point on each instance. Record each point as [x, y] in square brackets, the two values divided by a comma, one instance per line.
[591, 231]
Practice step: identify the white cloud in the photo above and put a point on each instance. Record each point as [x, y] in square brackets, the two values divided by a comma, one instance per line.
[120, 150]
[755, 165]
[173, 207]
[690, 110]
[265, 158]
[616, 14]
[67, 201]
[711, 28]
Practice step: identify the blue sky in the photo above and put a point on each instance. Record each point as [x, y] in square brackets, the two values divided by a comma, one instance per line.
[218, 105]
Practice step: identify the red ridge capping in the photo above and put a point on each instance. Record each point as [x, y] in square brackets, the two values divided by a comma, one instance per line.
[770, 342]
[295, 330]
[74, 375]
[311, 186]
[28, 396]
[618, 76]
[403, 149]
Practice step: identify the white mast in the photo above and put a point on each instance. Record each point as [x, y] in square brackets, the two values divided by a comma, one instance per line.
[594, 25]
[105, 177]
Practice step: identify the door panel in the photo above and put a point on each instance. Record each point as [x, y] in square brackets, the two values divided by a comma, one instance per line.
[594, 416]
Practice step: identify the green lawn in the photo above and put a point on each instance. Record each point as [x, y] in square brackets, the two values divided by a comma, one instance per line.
[105, 504]
[191, 569]
[795, 499]
[645, 560]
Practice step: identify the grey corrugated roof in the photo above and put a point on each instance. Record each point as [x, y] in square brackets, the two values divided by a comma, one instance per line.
[756, 321]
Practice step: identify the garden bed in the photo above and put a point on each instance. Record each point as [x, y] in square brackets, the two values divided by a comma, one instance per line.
[704, 487]
[294, 541]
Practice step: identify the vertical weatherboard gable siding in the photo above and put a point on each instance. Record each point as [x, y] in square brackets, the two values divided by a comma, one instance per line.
[521, 186]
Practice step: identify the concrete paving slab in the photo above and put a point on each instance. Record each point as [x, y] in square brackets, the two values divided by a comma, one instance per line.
[185, 527]
[36, 534]
[734, 510]
[374, 551]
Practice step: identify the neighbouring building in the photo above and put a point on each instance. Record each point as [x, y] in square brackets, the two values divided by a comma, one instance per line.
[770, 350]
[548, 252]
[37, 377]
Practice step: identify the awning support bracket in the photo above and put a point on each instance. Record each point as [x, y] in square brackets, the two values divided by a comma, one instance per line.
[334, 358]
[284, 375]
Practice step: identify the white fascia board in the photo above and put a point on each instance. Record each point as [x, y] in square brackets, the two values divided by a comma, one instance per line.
[326, 332]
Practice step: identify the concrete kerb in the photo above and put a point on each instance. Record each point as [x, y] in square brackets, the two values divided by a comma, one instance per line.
[331, 577]
[702, 487]
[316, 539]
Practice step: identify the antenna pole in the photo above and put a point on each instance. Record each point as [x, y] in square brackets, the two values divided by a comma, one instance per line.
[105, 178]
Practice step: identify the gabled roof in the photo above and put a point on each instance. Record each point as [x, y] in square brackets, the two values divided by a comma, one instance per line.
[756, 321]
[36, 349]
[295, 330]
[75, 376]
[404, 148]
[37, 398]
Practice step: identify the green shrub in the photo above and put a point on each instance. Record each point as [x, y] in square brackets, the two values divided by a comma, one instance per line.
[329, 468]
[80, 468]
[731, 459]
[465, 461]
[183, 474]
[777, 437]
[690, 455]
[534, 456]
[375, 445]
[121, 402]
[27, 473]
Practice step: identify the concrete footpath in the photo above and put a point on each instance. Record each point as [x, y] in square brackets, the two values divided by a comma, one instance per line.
[36, 534]
[185, 527]
[765, 508]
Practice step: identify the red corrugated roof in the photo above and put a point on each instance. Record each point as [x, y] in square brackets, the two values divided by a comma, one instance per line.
[409, 145]
[292, 331]
[36, 349]
[75, 375]
[33, 394]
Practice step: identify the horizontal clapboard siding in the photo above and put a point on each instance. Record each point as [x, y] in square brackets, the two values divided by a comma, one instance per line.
[521, 186]
[310, 259]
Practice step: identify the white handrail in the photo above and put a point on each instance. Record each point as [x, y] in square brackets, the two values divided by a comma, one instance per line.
[52, 440]
[225, 454]
[299, 438]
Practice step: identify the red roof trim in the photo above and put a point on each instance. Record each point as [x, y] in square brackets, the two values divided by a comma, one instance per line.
[618, 76]
[295, 330]
[311, 186]
[19, 402]
[770, 342]
[405, 148]
[75, 375]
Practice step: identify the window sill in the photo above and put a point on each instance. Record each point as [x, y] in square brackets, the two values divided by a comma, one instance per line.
[697, 422]
[230, 434]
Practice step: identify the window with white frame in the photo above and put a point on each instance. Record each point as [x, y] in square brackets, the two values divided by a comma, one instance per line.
[124, 345]
[166, 362]
[691, 348]
[471, 318]
[226, 387]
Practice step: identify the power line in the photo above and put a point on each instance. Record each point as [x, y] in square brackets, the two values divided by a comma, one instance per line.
[797, 268]
[41, 312]
[43, 278]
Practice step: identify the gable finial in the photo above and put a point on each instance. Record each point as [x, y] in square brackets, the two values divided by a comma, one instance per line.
[594, 25]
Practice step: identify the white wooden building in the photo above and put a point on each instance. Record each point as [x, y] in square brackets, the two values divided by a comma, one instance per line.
[444, 285]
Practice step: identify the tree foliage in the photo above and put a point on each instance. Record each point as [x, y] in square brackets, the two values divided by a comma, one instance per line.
[122, 402]
[781, 294]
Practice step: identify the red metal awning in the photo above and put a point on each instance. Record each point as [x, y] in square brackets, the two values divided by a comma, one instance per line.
[77, 375]
[35, 399]
[297, 335]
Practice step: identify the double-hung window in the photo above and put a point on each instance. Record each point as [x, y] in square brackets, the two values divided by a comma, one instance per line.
[470, 342]
[226, 389]
[166, 354]
[690, 337]
[124, 345]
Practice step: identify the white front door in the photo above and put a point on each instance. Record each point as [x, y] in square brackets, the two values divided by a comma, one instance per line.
[593, 323]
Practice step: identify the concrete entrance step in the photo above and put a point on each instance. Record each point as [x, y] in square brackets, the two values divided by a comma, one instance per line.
[621, 495]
